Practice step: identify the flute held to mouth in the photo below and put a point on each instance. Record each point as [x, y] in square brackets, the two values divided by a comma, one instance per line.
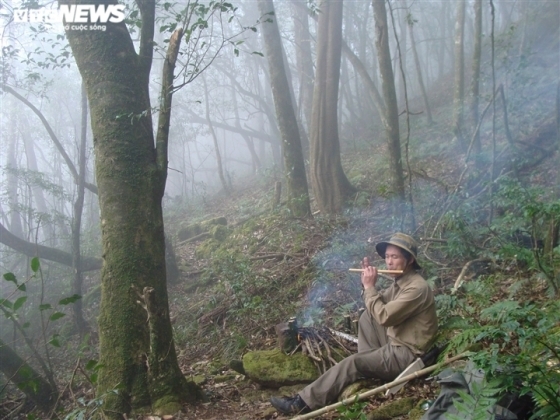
[361, 270]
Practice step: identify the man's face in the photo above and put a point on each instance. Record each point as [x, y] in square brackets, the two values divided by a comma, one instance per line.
[394, 259]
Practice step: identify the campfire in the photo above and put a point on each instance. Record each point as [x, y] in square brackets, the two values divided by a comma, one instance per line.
[324, 346]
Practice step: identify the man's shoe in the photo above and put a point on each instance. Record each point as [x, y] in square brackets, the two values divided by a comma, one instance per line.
[290, 405]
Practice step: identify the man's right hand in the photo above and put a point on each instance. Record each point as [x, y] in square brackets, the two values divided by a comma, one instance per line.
[369, 275]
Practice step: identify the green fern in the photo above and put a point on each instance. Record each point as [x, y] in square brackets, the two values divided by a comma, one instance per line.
[479, 404]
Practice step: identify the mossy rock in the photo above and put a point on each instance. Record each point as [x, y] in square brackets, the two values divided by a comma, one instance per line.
[189, 231]
[273, 368]
[396, 408]
[356, 388]
[219, 232]
[207, 248]
[217, 221]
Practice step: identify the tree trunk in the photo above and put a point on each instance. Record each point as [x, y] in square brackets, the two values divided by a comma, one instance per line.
[294, 166]
[429, 118]
[475, 81]
[81, 323]
[16, 370]
[131, 172]
[396, 177]
[330, 184]
[16, 225]
[459, 82]
[221, 175]
[304, 60]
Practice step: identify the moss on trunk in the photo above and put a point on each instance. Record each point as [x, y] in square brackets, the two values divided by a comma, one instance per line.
[130, 187]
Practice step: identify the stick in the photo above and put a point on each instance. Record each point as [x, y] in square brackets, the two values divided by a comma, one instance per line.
[377, 390]
[360, 270]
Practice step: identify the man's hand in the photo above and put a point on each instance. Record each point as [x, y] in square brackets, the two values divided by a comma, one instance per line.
[369, 275]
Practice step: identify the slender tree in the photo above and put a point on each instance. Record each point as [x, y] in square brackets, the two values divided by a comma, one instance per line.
[396, 177]
[294, 166]
[329, 182]
[304, 60]
[418, 66]
[475, 81]
[459, 82]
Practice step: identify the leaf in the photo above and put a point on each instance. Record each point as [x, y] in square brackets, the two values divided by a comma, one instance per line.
[54, 341]
[6, 303]
[22, 287]
[35, 264]
[19, 302]
[10, 277]
[70, 299]
[91, 364]
[45, 306]
[57, 315]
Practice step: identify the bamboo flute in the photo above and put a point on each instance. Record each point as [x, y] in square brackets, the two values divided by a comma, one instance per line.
[360, 270]
[377, 390]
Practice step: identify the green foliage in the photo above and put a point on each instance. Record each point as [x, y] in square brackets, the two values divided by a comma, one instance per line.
[353, 411]
[518, 342]
[478, 404]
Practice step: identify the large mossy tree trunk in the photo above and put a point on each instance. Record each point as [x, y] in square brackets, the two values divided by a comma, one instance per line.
[131, 170]
[330, 184]
[294, 165]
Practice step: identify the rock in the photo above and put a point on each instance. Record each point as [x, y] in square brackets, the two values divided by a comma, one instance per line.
[237, 365]
[396, 408]
[273, 368]
[199, 380]
[218, 379]
[355, 388]
[189, 231]
[219, 232]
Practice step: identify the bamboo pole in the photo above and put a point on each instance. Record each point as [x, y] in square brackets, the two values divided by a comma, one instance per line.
[367, 394]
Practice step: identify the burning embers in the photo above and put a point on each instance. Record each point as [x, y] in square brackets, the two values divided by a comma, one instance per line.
[325, 347]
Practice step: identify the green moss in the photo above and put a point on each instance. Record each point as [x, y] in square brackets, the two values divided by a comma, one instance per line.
[199, 379]
[207, 248]
[166, 405]
[189, 231]
[219, 232]
[223, 378]
[273, 368]
[393, 409]
[217, 221]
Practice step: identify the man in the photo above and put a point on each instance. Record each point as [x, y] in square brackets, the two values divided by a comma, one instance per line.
[398, 325]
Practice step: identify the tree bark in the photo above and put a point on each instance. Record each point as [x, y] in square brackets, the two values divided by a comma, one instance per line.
[131, 173]
[330, 184]
[304, 60]
[294, 166]
[475, 81]
[396, 177]
[221, 175]
[81, 323]
[27, 379]
[459, 82]
[44, 252]
[429, 118]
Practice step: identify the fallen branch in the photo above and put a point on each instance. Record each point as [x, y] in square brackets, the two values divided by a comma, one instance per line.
[466, 267]
[380, 389]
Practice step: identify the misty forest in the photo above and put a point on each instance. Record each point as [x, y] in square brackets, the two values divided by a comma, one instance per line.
[184, 186]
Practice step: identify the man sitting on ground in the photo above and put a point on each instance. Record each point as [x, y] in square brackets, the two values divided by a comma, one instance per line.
[398, 326]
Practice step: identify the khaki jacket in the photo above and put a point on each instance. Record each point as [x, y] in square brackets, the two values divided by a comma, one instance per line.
[407, 309]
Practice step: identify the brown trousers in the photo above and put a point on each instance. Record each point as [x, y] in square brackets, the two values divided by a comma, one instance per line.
[376, 358]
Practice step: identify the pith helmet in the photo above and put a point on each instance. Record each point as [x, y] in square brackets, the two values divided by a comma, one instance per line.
[402, 241]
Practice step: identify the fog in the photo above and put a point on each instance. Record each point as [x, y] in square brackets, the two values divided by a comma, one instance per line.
[223, 99]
